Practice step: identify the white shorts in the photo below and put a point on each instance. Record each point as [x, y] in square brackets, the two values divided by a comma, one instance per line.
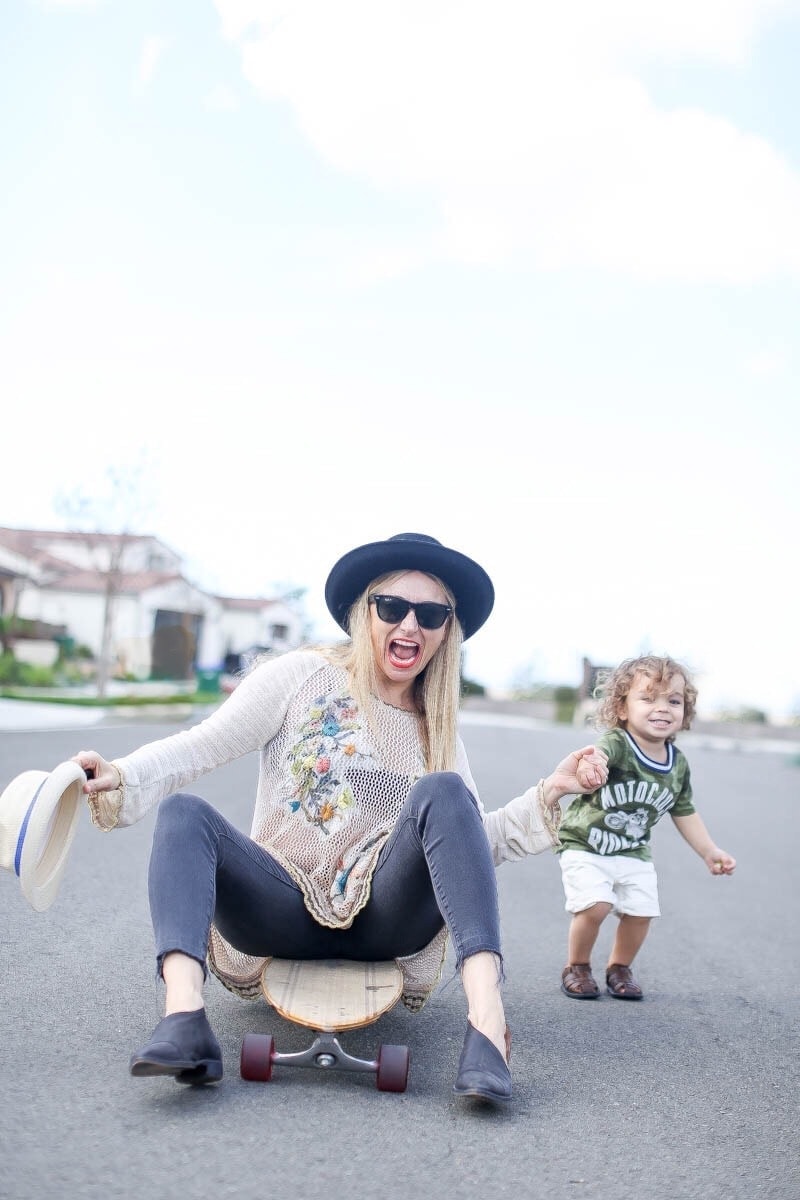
[627, 884]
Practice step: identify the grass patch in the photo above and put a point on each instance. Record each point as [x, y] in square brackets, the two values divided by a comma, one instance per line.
[114, 701]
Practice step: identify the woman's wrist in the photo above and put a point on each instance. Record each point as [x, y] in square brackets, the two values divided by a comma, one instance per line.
[551, 813]
[550, 792]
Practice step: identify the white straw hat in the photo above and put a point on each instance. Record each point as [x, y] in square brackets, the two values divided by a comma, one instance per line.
[39, 812]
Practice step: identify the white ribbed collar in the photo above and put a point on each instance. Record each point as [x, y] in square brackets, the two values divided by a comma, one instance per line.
[664, 768]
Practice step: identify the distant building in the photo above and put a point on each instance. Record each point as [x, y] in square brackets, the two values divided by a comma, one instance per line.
[587, 702]
[162, 626]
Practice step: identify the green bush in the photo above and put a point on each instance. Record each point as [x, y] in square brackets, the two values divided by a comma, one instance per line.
[10, 692]
[70, 651]
[22, 674]
[539, 692]
[566, 698]
[9, 668]
[746, 716]
[31, 676]
[68, 674]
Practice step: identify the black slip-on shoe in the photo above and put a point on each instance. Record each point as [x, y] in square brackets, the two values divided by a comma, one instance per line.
[482, 1071]
[182, 1044]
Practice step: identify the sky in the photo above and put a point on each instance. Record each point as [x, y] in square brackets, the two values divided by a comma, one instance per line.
[519, 275]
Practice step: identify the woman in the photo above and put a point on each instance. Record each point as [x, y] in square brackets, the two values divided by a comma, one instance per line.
[368, 839]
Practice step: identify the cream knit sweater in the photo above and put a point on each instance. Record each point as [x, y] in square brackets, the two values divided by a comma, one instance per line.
[330, 788]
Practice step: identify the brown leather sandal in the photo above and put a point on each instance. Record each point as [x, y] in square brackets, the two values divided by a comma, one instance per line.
[620, 983]
[578, 983]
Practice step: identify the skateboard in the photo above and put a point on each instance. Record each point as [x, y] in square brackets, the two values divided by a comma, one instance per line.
[329, 996]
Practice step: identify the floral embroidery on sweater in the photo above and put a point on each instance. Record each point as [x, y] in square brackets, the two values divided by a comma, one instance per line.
[319, 794]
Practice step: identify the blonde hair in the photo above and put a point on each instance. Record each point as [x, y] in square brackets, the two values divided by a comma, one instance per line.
[437, 690]
[613, 687]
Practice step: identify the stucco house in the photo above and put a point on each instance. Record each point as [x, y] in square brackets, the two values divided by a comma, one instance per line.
[161, 625]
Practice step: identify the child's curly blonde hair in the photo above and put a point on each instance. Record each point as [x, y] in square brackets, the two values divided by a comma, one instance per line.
[613, 687]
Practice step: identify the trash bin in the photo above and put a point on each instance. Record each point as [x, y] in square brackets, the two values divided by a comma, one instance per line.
[208, 681]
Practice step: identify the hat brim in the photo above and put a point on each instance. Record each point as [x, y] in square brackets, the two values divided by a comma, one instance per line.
[51, 824]
[354, 572]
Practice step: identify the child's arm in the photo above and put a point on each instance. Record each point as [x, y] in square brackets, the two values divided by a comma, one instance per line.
[692, 829]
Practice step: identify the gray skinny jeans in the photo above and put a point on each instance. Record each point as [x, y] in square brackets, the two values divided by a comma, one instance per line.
[435, 869]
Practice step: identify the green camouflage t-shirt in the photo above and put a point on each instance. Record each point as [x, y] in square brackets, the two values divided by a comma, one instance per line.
[618, 817]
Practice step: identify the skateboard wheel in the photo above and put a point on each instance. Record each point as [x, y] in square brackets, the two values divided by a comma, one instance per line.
[393, 1064]
[256, 1057]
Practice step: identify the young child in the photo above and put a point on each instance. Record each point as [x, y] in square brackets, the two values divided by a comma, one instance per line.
[605, 856]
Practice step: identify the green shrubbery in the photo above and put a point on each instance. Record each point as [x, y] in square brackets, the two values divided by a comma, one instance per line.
[745, 716]
[24, 681]
[20, 674]
[566, 698]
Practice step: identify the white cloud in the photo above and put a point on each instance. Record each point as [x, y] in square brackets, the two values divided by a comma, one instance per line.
[717, 29]
[69, 3]
[243, 18]
[221, 99]
[368, 267]
[531, 129]
[152, 50]
[768, 363]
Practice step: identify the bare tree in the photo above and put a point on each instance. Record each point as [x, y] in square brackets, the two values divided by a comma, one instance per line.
[106, 519]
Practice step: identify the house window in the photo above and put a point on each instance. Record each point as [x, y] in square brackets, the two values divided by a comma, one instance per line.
[279, 633]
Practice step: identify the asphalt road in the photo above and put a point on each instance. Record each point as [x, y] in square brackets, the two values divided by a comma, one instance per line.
[692, 1093]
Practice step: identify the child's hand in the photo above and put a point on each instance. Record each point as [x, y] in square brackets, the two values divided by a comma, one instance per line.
[719, 862]
[584, 770]
[592, 769]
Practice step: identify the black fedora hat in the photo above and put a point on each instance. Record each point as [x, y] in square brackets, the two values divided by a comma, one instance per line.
[355, 571]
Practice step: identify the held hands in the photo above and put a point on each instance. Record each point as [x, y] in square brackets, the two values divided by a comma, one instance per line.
[584, 770]
[719, 862]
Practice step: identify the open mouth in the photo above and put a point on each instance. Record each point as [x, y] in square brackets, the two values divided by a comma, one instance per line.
[403, 654]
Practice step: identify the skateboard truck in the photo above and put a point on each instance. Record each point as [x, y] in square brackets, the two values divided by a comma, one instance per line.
[325, 1053]
[328, 996]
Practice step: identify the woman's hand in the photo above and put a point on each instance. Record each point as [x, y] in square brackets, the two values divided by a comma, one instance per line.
[101, 776]
[584, 770]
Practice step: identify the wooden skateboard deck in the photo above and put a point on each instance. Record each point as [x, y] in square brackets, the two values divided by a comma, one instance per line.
[331, 994]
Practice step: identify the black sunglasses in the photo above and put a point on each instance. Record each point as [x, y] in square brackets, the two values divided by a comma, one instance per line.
[392, 609]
